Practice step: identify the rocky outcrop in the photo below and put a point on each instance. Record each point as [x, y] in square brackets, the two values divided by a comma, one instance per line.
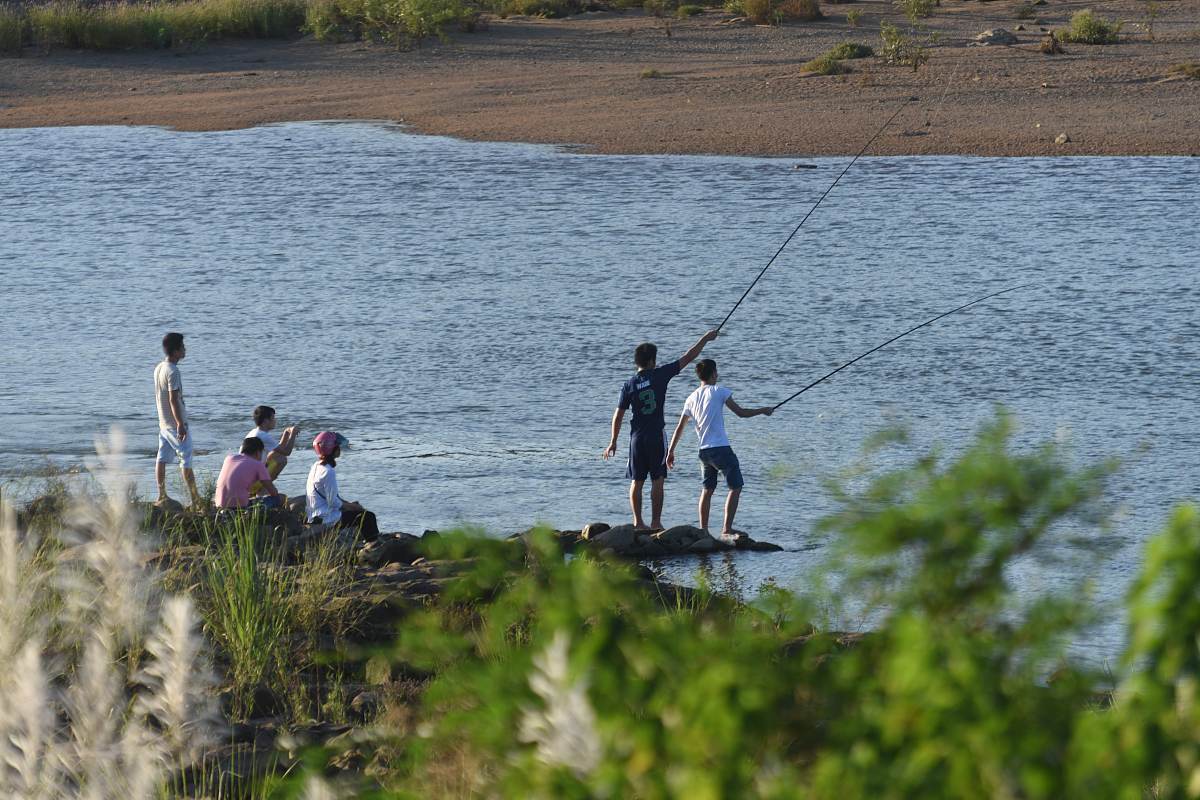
[629, 542]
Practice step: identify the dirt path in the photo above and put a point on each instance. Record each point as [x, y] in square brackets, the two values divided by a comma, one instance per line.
[721, 88]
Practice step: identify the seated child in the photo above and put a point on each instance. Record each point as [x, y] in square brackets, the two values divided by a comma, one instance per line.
[241, 472]
[324, 505]
[706, 406]
[278, 449]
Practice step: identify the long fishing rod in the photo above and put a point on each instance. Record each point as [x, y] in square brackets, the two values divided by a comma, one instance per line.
[796, 230]
[901, 336]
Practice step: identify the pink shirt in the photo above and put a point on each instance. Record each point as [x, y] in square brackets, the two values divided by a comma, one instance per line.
[238, 474]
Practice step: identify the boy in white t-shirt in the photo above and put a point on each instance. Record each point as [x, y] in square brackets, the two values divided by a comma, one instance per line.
[174, 436]
[706, 406]
[278, 449]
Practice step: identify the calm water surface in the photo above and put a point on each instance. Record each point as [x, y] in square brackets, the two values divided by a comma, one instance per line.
[465, 314]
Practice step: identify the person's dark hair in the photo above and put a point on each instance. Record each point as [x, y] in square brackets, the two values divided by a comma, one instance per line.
[262, 414]
[172, 342]
[252, 446]
[706, 369]
[645, 355]
[331, 459]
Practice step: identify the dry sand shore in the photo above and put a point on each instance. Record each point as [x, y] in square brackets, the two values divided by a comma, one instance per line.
[723, 88]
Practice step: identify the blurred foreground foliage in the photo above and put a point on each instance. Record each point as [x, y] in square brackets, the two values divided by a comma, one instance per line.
[575, 678]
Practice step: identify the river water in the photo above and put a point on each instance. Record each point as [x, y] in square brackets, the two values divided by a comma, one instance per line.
[465, 313]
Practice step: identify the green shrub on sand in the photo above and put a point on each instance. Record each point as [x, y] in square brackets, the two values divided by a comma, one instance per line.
[1088, 28]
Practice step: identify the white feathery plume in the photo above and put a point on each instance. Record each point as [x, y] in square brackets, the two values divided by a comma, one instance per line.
[180, 681]
[32, 766]
[95, 701]
[143, 762]
[317, 788]
[21, 582]
[564, 730]
[106, 583]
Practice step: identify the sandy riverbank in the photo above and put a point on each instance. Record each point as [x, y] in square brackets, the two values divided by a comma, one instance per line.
[724, 88]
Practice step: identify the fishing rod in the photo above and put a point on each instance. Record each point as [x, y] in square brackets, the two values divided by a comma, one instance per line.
[901, 336]
[796, 230]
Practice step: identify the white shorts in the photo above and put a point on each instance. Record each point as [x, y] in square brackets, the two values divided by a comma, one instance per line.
[170, 448]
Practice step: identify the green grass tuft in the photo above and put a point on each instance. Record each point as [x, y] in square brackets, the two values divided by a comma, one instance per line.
[1190, 69]
[688, 10]
[849, 50]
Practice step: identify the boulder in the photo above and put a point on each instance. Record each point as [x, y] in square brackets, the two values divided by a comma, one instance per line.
[707, 545]
[618, 539]
[593, 529]
[390, 548]
[996, 36]
[296, 504]
[1062, 138]
[680, 538]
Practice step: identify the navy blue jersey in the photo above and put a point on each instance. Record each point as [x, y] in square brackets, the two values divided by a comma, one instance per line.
[646, 394]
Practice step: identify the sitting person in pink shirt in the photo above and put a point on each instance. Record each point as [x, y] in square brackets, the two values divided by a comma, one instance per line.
[240, 473]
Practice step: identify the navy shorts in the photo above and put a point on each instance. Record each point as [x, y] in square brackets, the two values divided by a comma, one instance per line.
[725, 461]
[647, 456]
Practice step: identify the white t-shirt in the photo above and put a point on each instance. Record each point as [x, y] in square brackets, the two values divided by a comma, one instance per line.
[706, 406]
[270, 441]
[167, 378]
[322, 492]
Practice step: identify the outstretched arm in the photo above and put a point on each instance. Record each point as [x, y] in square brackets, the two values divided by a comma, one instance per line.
[611, 450]
[690, 355]
[748, 412]
[675, 441]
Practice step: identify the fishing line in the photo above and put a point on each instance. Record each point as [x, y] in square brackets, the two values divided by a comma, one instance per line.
[796, 230]
[901, 336]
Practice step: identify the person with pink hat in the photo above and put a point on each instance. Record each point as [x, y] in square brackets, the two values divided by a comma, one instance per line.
[324, 505]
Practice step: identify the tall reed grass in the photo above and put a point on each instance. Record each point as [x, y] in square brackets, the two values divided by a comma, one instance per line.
[107, 685]
[122, 26]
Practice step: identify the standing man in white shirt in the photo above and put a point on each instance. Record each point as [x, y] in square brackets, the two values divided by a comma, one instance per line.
[706, 406]
[174, 438]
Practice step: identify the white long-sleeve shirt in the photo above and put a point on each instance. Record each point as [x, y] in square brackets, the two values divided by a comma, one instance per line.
[322, 494]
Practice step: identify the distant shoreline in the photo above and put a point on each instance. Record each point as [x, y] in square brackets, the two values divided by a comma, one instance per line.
[711, 87]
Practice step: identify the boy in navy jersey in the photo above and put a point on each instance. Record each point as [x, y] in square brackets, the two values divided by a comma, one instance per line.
[646, 394]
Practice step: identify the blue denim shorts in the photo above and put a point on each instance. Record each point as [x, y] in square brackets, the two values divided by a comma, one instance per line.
[723, 460]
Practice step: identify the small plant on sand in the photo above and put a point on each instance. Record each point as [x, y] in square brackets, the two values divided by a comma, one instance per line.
[831, 63]
[915, 10]
[899, 48]
[1088, 28]
[1188, 69]
[688, 10]
[1152, 11]
[825, 65]
[649, 73]
[851, 50]
[853, 17]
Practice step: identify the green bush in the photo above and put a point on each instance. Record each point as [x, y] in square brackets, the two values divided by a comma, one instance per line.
[1188, 69]
[825, 65]
[915, 9]
[851, 50]
[1087, 28]
[898, 48]
[566, 678]
[775, 11]
[688, 10]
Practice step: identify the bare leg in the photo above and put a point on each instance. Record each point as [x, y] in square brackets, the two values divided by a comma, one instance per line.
[635, 502]
[275, 463]
[160, 477]
[189, 478]
[731, 504]
[705, 500]
[656, 502]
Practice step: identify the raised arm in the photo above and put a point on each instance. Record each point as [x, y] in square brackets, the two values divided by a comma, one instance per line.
[690, 355]
[748, 412]
[611, 450]
[675, 440]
